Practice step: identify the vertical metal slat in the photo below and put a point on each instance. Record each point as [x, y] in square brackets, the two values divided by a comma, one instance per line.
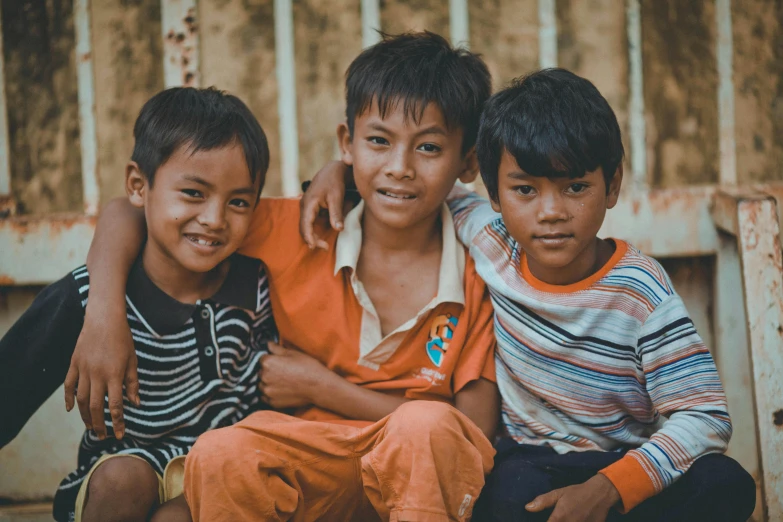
[636, 123]
[459, 23]
[547, 34]
[180, 43]
[728, 144]
[371, 22]
[5, 164]
[86, 89]
[286, 102]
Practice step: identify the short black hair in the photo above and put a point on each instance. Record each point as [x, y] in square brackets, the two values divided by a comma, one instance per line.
[554, 123]
[202, 119]
[415, 69]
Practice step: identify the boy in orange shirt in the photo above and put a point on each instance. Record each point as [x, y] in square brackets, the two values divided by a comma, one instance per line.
[388, 367]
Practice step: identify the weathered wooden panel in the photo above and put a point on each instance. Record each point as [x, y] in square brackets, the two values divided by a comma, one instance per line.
[597, 50]
[680, 91]
[758, 84]
[505, 33]
[128, 65]
[399, 16]
[238, 55]
[41, 94]
[692, 278]
[327, 37]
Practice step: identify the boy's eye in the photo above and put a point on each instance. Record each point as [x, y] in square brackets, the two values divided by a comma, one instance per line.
[193, 193]
[377, 140]
[576, 188]
[429, 147]
[525, 190]
[241, 203]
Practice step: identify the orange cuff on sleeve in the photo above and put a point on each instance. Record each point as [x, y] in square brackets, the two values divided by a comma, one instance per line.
[631, 481]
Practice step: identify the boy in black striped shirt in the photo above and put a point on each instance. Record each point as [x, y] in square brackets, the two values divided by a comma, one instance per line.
[199, 313]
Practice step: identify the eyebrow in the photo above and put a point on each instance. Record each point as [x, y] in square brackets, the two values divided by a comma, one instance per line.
[201, 181]
[518, 174]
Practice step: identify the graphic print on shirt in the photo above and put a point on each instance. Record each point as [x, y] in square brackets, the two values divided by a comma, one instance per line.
[441, 332]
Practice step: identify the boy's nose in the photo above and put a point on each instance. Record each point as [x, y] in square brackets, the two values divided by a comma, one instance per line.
[551, 209]
[213, 216]
[399, 165]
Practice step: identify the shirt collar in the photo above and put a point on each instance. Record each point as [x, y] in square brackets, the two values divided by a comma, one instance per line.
[452, 261]
[163, 314]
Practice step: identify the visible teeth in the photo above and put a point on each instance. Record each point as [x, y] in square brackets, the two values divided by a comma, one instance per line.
[204, 242]
[398, 196]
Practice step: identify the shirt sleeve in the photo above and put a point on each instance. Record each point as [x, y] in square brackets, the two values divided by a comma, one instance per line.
[273, 236]
[36, 352]
[477, 359]
[684, 386]
[471, 213]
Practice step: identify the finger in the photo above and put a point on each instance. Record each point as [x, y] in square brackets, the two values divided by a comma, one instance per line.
[83, 400]
[309, 213]
[70, 386]
[323, 245]
[97, 397]
[334, 200]
[545, 501]
[132, 383]
[115, 408]
[276, 349]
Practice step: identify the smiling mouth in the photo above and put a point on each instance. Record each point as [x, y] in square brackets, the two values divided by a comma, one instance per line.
[396, 196]
[202, 242]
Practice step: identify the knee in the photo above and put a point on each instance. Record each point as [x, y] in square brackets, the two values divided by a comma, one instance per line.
[723, 479]
[126, 483]
[175, 510]
[424, 417]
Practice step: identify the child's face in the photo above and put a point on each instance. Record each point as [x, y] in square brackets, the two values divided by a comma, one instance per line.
[555, 221]
[403, 169]
[199, 206]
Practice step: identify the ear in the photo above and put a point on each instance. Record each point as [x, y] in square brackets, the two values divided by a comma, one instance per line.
[495, 204]
[345, 142]
[470, 167]
[136, 184]
[613, 191]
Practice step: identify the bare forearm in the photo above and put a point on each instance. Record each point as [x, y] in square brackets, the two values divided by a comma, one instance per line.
[118, 238]
[480, 402]
[354, 402]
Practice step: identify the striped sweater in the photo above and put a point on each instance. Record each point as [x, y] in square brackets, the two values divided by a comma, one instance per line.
[609, 363]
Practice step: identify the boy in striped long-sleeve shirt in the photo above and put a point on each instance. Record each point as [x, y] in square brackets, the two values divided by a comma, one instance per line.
[610, 397]
[612, 405]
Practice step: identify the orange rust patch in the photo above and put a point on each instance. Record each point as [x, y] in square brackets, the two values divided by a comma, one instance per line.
[6, 281]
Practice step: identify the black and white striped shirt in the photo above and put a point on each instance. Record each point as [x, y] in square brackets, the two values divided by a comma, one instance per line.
[197, 365]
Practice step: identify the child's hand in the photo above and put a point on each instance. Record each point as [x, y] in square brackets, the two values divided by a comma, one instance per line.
[327, 192]
[290, 378]
[587, 502]
[103, 359]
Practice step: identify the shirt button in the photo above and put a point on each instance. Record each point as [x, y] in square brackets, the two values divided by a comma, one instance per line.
[204, 314]
[209, 351]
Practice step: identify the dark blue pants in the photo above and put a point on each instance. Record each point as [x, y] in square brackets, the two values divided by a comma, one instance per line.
[715, 488]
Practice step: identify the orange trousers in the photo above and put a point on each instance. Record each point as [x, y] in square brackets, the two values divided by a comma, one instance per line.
[424, 462]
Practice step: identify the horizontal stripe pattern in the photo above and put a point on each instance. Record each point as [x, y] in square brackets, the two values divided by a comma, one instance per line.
[178, 402]
[617, 365]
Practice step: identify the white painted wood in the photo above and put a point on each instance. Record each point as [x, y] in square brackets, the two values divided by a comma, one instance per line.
[637, 181]
[371, 22]
[179, 21]
[286, 101]
[5, 165]
[547, 34]
[732, 356]
[459, 23]
[725, 51]
[87, 121]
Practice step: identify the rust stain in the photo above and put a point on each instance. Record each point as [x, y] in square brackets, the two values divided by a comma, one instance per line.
[86, 57]
[57, 223]
[6, 281]
[777, 418]
[636, 205]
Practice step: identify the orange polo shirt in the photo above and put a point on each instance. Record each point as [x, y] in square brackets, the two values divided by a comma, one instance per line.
[321, 307]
